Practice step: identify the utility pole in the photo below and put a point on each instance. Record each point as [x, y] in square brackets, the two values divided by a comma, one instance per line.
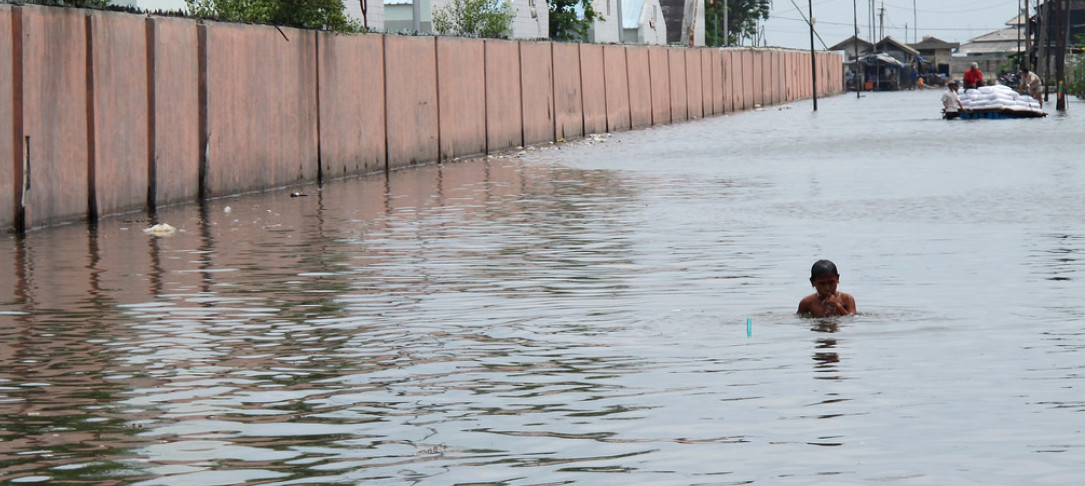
[416, 15]
[813, 58]
[726, 23]
[881, 22]
[859, 69]
[1018, 25]
[1041, 59]
[619, 22]
[1062, 24]
[870, 22]
[915, 25]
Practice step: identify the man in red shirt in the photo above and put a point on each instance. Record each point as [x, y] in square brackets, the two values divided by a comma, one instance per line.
[973, 78]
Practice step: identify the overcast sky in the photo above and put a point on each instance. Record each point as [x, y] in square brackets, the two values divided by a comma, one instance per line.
[949, 20]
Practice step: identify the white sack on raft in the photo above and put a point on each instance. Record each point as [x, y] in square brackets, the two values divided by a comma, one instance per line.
[997, 98]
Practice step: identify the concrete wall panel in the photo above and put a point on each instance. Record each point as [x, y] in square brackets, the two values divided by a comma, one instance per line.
[616, 73]
[504, 117]
[351, 104]
[55, 113]
[176, 111]
[727, 81]
[660, 75]
[641, 106]
[568, 96]
[738, 81]
[716, 64]
[749, 93]
[695, 84]
[462, 97]
[759, 85]
[8, 157]
[121, 137]
[410, 65]
[261, 108]
[537, 78]
[679, 101]
[710, 78]
[594, 84]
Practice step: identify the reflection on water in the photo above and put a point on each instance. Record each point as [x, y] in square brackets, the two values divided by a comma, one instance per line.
[577, 315]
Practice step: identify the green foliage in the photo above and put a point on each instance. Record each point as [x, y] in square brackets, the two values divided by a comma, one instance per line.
[1075, 76]
[474, 18]
[306, 14]
[567, 24]
[743, 17]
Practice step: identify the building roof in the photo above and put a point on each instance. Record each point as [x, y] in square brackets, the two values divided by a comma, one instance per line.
[890, 43]
[930, 43]
[1010, 39]
[850, 42]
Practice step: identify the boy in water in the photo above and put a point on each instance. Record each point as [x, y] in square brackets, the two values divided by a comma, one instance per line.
[826, 301]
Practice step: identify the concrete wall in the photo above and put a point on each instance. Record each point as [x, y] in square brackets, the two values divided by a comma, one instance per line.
[504, 108]
[261, 123]
[617, 88]
[174, 116]
[462, 99]
[568, 95]
[351, 126]
[54, 114]
[410, 86]
[122, 112]
[118, 50]
[641, 105]
[537, 91]
[593, 83]
[8, 157]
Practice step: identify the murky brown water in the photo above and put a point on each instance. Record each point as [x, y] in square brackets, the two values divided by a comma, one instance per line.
[578, 316]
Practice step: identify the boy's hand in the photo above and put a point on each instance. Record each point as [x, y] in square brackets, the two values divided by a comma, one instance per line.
[833, 302]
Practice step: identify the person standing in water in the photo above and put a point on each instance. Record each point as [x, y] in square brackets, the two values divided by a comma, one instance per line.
[826, 301]
[951, 103]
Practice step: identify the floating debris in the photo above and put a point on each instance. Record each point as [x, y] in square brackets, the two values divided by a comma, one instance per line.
[160, 229]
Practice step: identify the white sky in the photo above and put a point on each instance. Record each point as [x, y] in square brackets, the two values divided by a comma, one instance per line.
[949, 20]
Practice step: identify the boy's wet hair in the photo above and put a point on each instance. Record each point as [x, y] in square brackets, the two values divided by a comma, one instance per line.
[823, 267]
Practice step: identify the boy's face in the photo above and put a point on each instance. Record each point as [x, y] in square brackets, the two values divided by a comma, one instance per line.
[825, 284]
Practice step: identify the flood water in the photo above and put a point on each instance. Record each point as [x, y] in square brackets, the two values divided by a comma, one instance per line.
[578, 315]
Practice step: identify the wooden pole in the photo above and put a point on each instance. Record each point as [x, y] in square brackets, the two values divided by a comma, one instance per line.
[813, 58]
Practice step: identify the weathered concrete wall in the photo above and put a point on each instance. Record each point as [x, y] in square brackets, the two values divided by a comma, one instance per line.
[568, 96]
[537, 89]
[261, 108]
[118, 51]
[676, 62]
[462, 98]
[351, 104]
[175, 110]
[54, 71]
[694, 83]
[594, 85]
[616, 73]
[410, 67]
[124, 111]
[641, 105]
[659, 72]
[8, 157]
[504, 108]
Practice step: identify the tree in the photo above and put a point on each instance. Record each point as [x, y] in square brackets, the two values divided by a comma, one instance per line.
[571, 19]
[474, 18]
[742, 16]
[306, 14]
